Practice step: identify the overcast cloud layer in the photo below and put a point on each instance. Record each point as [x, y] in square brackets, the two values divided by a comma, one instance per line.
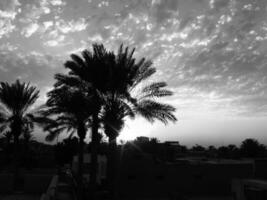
[212, 53]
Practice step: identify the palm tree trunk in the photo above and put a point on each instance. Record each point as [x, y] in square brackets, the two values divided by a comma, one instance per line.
[7, 150]
[16, 160]
[81, 134]
[112, 165]
[80, 159]
[94, 145]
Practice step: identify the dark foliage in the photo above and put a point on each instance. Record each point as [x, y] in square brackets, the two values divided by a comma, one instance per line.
[65, 150]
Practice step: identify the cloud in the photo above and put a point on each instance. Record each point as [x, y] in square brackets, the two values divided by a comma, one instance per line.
[219, 4]
[56, 42]
[57, 2]
[29, 30]
[8, 8]
[8, 12]
[215, 48]
[60, 30]
[8, 47]
[71, 26]
[164, 9]
[34, 67]
[212, 53]
[34, 10]
[6, 27]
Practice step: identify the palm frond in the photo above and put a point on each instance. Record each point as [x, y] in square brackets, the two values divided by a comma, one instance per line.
[18, 97]
[152, 110]
[155, 90]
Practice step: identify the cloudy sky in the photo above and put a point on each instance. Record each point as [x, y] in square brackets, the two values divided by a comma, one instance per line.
[212, 53]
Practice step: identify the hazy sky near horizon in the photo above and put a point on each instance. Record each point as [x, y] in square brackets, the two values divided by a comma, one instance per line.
[212, 53]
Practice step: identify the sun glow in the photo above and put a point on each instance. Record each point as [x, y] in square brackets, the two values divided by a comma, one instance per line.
[135, 128]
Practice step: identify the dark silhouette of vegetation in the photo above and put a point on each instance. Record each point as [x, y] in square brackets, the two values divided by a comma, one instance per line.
[98, 93]
[16, 99]
[137, 100]
[198, 148]
[65, 150]
[252, 148]
[108, 80]
[166, 151]
[71, 110]
[91, 73]
[16, 113]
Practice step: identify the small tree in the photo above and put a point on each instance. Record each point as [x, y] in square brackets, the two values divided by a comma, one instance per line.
[252, 148]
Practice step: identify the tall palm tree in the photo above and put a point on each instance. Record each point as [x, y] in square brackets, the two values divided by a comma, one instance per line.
[140, 100]
[109, 77]
[90, 73]
[137, 98]
[16, 113]
[70, 110]
[113, 118]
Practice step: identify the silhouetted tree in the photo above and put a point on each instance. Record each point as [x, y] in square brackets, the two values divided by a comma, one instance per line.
[110, 80]
[223, 152]
[183, 149]
[211, 148]
[16, 115]
[70, 109]
[138, 101]
[233, 151]
[230, 152]
[252, 148]
[198, 148]
[91, 73]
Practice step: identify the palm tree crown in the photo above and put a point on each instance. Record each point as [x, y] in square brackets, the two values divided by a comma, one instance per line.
[15, 102]
[70, 109]
[140, 98]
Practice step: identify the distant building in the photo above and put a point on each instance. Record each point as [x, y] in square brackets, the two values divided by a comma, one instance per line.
[142, 139]
[172, 143]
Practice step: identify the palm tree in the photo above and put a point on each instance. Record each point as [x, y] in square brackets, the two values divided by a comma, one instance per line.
[90, 73]
[71, 111]
[139, 101]
[113, 79]
[15, 102]
[16, 115]
[113, 118]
